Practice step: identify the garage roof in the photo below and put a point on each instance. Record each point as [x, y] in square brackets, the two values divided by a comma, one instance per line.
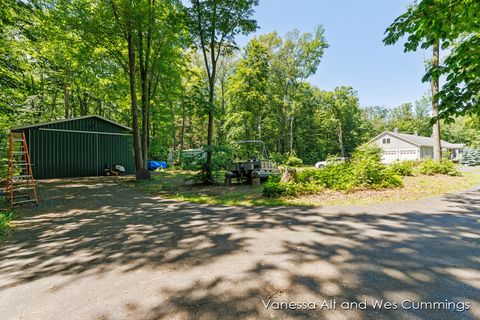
[420, 141]
[67, 120]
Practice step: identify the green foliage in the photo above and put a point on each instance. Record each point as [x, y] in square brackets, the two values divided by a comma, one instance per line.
[292, 160]
[403, 168]
[471, 157]
[364, 171]
[455, 24]
[69, 58]
[368, 172]
[431, 167]
[192, 161]
[407, 118]
[5, 219]
[274, 188]
[222, 156]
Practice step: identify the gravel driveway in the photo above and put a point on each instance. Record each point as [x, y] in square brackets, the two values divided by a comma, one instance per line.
[96, 249]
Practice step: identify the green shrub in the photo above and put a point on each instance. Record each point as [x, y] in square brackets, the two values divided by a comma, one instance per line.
[5, 218]
[368, 172]
[471, 157]
[431, 167]
[368, 152]
[273, 187]
[403, 168]
[191, 161]
[293, 161]
[364, 171]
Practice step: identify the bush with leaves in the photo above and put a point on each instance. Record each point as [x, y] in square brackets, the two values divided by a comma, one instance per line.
[431, 167]
[364, 171]
[292, 160]
[274, 188]
[471, 157]
[5, 218]
[403, 168]
[369, 172]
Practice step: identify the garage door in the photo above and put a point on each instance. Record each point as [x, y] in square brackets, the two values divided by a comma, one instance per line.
[390, 156]
[408, 155]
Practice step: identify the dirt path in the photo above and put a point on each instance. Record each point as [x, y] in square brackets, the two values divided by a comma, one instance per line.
[98, 250]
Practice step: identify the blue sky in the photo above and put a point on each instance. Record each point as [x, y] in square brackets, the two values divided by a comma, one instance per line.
[356, 57]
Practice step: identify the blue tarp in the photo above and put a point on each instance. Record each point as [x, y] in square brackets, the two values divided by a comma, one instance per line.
[153, 165]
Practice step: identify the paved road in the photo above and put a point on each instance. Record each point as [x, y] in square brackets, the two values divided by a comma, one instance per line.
[98, 250]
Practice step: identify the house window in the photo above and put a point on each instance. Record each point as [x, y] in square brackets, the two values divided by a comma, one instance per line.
[386, 141]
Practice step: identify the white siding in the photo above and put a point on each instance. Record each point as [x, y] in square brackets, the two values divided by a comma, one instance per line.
[394, 144]
[396, 149]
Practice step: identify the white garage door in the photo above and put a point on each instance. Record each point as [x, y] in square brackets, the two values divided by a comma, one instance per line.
[407, 155]
[390, 156]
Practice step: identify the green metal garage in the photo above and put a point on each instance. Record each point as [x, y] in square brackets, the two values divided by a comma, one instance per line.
[78, 147]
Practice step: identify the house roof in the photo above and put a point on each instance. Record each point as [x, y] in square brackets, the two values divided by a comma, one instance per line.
[420, 141]
[70, 119]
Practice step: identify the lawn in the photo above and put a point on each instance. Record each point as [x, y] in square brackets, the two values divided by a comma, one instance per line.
[177, 184]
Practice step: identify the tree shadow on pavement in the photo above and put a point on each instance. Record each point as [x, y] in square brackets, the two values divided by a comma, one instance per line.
[249, 256]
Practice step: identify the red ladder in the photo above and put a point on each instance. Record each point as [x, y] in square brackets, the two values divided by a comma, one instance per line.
[21, 187]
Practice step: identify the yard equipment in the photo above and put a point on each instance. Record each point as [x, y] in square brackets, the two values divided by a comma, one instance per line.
[20, 186]
[250, 164]
[115, 170]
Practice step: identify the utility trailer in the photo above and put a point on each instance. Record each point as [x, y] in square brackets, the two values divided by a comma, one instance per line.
[250, 163]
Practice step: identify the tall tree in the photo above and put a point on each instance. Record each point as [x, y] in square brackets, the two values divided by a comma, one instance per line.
[248, 94]
[437, 145]
[295, 60]
[214, 25]
[142, 37]
[345, 110]
[453, 25]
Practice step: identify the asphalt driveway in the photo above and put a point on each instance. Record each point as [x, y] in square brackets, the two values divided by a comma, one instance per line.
[96, 249]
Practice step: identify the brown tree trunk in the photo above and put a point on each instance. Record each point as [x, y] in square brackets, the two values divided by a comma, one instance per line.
[145, 98]
[211, 95]
[54, 104]
[66, 99]
[437, 147]
[137, 148]
[340, 140]
[291, 133]
[182, 133]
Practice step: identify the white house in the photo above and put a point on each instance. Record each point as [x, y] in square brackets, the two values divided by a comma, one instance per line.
[400, 146]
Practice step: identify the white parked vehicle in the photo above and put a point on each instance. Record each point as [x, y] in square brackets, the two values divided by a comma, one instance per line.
[323, 164]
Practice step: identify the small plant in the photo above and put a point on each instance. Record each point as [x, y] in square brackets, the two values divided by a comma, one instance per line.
[273, 187]
[292, 160]
[5, 219]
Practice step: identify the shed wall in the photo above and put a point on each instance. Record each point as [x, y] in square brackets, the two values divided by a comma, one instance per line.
[94, 143]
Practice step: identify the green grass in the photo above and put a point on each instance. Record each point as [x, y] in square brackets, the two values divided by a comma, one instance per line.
[178, 184]
[6, 216]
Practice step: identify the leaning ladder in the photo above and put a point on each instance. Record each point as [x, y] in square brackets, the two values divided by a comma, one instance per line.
[21, 187]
